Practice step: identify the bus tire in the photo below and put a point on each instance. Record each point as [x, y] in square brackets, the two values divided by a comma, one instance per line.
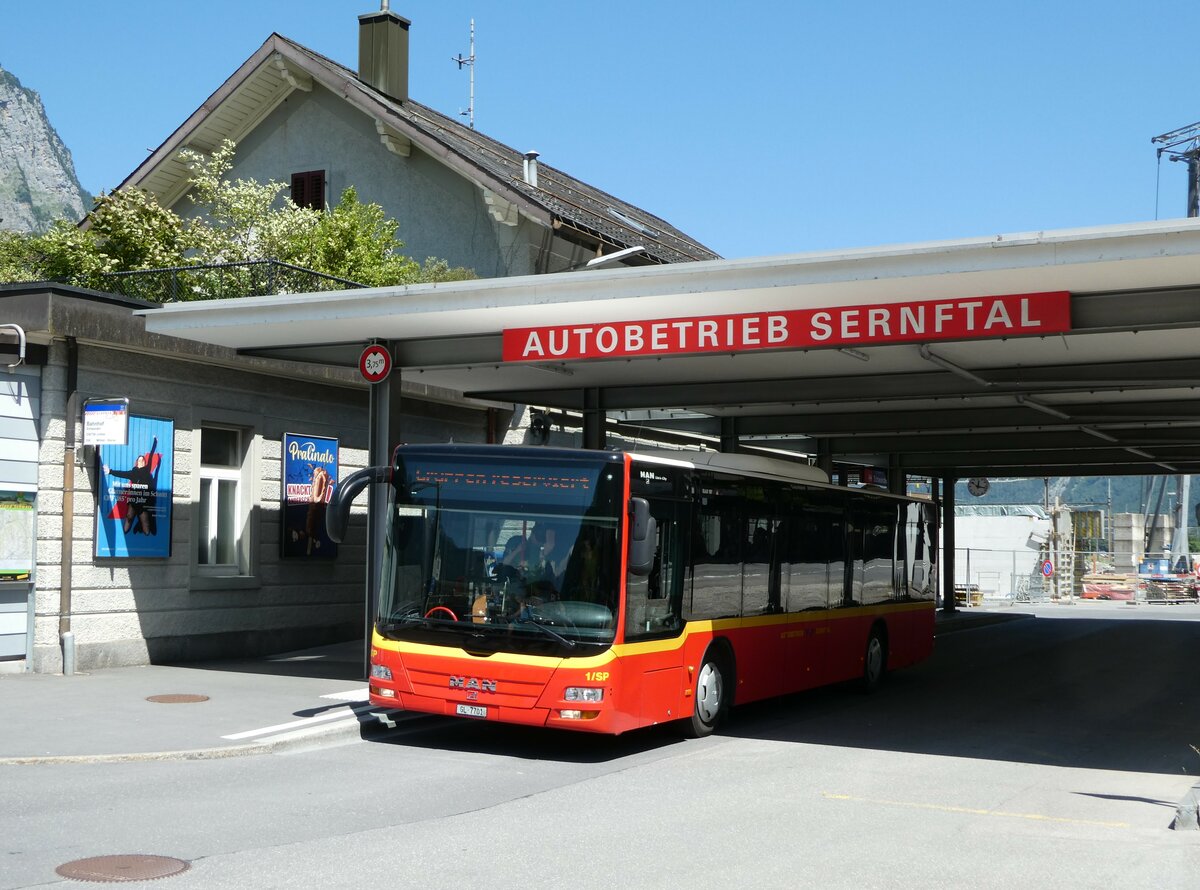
[874, 660]
[711, 695]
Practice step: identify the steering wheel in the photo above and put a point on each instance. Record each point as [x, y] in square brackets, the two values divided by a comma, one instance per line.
[445, 609]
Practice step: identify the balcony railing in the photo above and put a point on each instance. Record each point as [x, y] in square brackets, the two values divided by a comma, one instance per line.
[218, 281]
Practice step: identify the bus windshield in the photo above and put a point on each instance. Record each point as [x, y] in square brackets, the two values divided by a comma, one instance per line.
[495, 553]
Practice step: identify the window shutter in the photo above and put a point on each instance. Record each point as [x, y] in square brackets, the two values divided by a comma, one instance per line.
[308, 189]
[298, 194]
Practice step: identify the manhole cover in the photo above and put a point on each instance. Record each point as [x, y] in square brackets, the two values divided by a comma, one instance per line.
[118, 869]
[177, 698]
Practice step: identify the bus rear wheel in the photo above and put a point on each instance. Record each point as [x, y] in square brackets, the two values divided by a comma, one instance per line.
[874, 660]
[714, 687]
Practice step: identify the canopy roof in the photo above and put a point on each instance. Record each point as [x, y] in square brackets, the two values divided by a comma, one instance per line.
[1116, 393]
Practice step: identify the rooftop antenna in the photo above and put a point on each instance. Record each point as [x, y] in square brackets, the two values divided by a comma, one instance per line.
[1184, 145]
[469, 62]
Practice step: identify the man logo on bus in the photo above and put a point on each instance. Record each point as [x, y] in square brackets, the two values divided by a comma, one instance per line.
[473, 683]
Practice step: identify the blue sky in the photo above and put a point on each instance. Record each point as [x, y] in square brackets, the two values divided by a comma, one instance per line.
[765, 128]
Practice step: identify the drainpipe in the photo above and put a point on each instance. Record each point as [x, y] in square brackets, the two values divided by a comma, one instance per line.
[68, 509]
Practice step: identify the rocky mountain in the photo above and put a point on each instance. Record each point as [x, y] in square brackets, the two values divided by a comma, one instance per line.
[37, 177]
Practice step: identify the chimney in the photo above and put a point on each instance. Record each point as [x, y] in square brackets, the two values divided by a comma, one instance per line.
[530, 168]
[383, 52]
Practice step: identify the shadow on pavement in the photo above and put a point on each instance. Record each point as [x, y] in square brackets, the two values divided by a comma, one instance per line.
[1090, 693]
[340, 661]
[524, 742]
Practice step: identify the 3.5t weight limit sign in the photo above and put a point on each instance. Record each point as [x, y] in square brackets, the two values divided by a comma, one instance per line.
[375, 363]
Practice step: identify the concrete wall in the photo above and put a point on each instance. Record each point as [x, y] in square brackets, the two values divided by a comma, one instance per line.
[994, 552]
[1129, 539]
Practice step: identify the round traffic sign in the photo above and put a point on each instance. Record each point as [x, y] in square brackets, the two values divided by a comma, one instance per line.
[1047, 568]
[375, 363]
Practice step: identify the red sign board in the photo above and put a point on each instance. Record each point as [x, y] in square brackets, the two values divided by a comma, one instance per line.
[967, 318]
[375, 363]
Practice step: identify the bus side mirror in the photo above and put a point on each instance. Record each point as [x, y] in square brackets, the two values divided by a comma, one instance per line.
[643, 537]
[337, 517]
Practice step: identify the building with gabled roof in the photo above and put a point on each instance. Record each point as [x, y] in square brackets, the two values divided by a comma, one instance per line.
[301, 118]
[218, 576]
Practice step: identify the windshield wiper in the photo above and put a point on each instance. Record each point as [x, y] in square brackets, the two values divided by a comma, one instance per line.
[412, 617]
[530, 618]
[400, 621]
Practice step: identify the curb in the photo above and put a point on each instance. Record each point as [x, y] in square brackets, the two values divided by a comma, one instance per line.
[368, 722]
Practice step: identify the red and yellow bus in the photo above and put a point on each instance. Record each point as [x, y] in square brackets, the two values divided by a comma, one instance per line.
[605, 591]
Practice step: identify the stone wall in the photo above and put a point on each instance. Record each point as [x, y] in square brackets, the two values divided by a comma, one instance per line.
[134, 611]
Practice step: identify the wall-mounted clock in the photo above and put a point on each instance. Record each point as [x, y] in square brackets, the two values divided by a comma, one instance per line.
[978, 486]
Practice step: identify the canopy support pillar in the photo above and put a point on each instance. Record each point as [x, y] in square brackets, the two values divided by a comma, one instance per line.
[897, 478]
[729, 435]
[947, 518]
[594, 418]
[379, 454]
[825, 457]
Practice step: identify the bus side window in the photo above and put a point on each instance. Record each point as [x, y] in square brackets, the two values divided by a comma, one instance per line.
[918, 552]
[716, 558]
[760, 575]
[876, 571]
[814, 522]
[841, 565]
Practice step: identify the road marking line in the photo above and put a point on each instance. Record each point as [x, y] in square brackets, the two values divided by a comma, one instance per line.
[970, 811]
[359, 694]
[305, 731]
[306, 721]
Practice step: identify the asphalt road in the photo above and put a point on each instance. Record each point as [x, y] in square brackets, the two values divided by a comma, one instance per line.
[1046, 752]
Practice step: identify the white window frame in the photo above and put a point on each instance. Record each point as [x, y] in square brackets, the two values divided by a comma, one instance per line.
[243, 572]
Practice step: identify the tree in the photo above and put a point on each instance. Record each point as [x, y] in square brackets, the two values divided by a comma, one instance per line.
[243, 220]
[130, 230]
[239, 221]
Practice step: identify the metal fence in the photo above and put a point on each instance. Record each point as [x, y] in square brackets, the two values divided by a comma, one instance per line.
[223, 280]
[1004, 576]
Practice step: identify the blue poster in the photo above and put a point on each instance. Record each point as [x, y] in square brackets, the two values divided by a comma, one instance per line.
[310, 472]
[133, 510]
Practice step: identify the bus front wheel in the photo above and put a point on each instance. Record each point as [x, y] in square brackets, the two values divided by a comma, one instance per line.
[712, 693]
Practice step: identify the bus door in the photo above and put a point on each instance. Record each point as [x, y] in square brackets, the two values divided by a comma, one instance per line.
[847, 628]
[918, 578]
[736, 584]
[869, 584]
[655, 677]
[766, 652]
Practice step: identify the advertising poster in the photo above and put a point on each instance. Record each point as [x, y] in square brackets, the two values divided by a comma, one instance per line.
[310, 472]
[133, 513]
[16, 535]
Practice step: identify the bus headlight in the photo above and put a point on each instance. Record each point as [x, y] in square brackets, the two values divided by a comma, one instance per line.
[381, 672]
[583, 693]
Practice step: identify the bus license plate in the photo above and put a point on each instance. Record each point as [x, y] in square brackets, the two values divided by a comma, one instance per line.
[470, 710]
